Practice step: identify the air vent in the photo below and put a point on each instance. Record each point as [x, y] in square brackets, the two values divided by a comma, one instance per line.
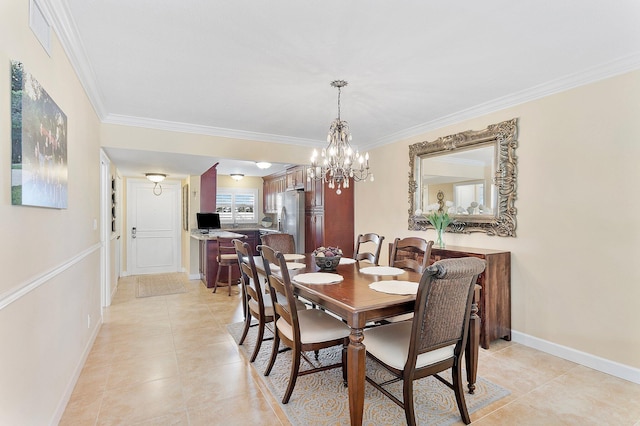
[40, 26]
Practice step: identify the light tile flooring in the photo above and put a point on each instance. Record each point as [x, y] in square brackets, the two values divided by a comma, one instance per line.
[168, 360]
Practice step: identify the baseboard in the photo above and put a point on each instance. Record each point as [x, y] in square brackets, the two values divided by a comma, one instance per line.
[194, 276]
[613, 368]
[76, 375]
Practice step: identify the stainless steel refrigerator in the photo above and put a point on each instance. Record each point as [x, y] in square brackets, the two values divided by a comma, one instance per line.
[292, 217]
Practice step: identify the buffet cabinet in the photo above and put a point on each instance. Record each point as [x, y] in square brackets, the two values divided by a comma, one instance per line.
[495, 297]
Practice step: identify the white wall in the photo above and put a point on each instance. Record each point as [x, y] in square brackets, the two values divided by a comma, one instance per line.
[50, 258]
[575, 281]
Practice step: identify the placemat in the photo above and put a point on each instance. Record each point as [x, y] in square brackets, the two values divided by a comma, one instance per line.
[395, 287]
[318, 278]
[347, 261]
[382, 270]
[292, 256]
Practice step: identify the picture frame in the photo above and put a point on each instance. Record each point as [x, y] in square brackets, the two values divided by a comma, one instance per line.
[185, 207]
[39, 169]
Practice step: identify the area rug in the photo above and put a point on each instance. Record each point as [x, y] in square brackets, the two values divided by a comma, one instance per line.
[321, 398]
[160, 284]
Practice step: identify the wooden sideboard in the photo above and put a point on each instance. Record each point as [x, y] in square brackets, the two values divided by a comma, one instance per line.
[495, 296]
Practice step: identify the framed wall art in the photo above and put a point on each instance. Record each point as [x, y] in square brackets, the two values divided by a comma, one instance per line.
[38, 144]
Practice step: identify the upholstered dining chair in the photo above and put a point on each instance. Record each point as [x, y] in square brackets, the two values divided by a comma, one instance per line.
[410, 253]
[283, 243]
[435, 340]
[257, 303]
[227, 258]
[374, 255]
[302, 331]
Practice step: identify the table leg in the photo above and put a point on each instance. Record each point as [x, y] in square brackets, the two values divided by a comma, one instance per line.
[473, 342]
[355, 375]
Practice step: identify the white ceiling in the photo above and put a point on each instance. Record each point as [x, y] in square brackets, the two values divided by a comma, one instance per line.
[261, 69]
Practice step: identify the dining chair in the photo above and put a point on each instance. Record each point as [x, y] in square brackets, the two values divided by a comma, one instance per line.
[302, 331]
[410, 253]
[434, 341]
[372, 256]
[283, 243]
[227, 258]
[257, 303]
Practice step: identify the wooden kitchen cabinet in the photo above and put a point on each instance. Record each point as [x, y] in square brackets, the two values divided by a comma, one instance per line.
[272, 186]
[295, 177]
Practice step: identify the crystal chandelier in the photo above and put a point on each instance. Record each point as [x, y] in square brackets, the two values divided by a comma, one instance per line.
[338, 163]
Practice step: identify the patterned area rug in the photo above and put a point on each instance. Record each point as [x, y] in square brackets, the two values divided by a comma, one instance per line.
[160, 284]
[321, 398]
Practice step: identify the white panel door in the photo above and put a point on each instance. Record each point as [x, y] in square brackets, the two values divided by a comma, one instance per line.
[153, 223]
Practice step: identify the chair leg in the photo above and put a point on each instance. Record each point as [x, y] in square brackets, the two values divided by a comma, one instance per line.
[293, 377]
[274, 351]
[247, 324]
[258, 340]
[215, 283]
[344, 362]
[407, 394]
[229, 278]
[458, 389]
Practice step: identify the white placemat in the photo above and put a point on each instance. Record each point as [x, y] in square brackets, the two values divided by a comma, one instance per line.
[347, 261]
[295, 265]
[395, 287]
[318, 278]
[382, 270]
[292, 256]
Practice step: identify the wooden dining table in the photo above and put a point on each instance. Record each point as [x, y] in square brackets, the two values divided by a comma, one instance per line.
[352, 300]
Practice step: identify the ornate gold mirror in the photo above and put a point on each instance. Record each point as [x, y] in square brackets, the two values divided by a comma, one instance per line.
[476, 171]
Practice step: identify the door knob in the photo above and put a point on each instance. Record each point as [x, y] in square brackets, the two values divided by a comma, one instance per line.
[133, 232]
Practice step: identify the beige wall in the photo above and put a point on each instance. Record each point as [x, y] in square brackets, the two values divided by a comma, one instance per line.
[50, 258]
[574, 277]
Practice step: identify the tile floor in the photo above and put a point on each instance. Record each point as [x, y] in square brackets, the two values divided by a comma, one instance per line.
[168, 360]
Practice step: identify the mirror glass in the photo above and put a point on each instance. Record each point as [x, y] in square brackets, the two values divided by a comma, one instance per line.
[476, 173]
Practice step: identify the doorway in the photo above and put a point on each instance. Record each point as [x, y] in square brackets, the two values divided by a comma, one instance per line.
[153, 227]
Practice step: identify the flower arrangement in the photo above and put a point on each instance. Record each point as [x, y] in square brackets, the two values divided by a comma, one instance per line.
[440, 221]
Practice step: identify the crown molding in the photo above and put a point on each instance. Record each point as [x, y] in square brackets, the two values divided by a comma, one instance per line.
[174, 126]
[591, 75]
[67, 33]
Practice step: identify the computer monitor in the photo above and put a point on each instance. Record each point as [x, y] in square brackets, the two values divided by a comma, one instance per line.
[208, 220]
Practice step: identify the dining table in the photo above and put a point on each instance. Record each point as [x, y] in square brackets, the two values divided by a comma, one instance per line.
[358, 305]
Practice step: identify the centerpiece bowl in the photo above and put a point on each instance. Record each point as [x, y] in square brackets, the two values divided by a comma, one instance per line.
[327, 258]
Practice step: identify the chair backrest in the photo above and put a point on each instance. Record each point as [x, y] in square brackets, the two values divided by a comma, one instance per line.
[283, 243]
[250, 279]
[225, 246]
[443, 305]
[280, 285]
[410, 253]
[372, 256]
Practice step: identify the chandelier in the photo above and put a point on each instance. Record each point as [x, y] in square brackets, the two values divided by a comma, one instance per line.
[338, 163]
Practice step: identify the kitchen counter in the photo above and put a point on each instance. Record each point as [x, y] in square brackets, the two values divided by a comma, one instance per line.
[214, 235]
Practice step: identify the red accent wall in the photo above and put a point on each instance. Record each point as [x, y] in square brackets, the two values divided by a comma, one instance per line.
[208, 190]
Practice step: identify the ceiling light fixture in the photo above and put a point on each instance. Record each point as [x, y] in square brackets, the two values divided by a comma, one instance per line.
[156, 178]
[236, 176]
[263, 165]
[339, 163]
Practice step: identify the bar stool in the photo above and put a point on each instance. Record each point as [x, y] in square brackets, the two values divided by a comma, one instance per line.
[227, 257]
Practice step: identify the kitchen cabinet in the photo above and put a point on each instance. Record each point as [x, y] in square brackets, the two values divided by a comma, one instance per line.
[272, 186]
[329, 217]
[295, 177]
[209, 256]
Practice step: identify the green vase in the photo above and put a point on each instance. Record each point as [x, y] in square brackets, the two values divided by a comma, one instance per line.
[440, 238]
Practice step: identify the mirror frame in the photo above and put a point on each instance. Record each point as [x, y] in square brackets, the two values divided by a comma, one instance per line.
[504, 136]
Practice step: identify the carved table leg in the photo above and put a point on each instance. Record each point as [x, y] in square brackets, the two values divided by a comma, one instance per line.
[355, 375]
[473, 342]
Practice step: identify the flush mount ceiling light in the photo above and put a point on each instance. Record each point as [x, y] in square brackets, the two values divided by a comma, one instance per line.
[339, 163]
[263, 165]
[156, 178]
[236, 176]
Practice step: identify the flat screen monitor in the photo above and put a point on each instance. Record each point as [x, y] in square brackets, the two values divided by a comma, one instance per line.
[208, 220]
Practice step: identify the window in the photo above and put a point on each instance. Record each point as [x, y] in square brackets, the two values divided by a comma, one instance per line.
[237, 205]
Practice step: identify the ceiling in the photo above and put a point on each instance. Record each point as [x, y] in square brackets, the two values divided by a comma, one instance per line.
[261, 70]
